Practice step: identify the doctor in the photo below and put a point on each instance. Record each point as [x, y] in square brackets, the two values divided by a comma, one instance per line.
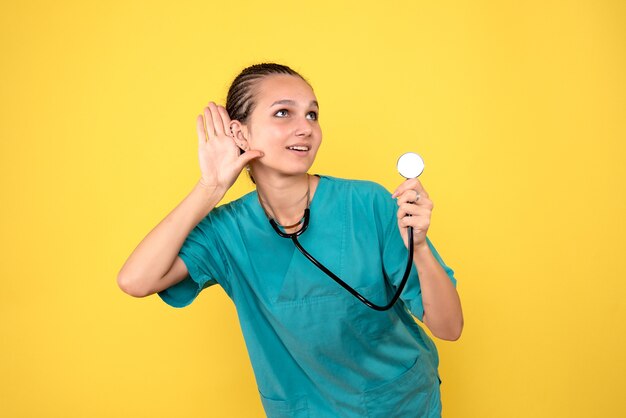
[315, 349]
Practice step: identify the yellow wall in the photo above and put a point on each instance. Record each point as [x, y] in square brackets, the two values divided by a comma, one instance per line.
[517, 107]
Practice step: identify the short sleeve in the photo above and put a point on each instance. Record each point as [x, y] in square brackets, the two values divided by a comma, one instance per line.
[202, 253]
[395, 256]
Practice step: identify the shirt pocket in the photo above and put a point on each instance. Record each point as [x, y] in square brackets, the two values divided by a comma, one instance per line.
[411, 394]
[295, 408]
[303, 282]
[373, 324]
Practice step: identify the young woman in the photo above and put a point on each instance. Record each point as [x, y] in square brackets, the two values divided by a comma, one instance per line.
[315, 349]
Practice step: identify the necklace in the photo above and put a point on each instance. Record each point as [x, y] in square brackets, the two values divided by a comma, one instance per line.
[273, 217]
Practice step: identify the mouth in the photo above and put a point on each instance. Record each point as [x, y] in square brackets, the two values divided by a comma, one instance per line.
[299, 148]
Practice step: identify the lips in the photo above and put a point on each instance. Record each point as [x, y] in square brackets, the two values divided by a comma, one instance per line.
[299, 148]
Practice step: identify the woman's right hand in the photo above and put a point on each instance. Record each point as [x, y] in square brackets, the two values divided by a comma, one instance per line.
[221, 161]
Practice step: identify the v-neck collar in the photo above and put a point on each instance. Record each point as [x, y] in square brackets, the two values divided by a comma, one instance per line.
[258, 210]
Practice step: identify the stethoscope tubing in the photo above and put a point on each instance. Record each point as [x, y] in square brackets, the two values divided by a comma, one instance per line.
[294, 238]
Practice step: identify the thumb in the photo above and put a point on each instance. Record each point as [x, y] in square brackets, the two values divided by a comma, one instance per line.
[248, 156]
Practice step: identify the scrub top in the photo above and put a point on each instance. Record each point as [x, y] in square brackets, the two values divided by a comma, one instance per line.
[316, 350]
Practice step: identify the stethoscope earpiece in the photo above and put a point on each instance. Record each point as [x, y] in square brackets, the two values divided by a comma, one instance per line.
[410, 165]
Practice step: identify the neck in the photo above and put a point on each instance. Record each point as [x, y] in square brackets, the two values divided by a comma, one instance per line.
[284, 198]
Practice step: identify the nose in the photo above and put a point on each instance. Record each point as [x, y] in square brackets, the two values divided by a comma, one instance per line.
[303, 127]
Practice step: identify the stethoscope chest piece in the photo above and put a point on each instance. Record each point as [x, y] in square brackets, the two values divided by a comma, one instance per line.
[410, 165]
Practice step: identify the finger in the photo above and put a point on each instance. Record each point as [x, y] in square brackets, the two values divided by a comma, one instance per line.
[406, 185]
[413, 216]
[410, 184]
[208, 120]
[409, 196]
[200, 128]
[248, 156]
[419, 224]
[420, 187]
[399, 190]
[217, 119]
[225, 120]
[425, 202]
[408, 209]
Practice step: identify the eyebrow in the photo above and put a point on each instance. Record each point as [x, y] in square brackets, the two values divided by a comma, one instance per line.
[293, 103]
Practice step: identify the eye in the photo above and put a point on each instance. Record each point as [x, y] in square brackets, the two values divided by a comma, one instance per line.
[281, 113]
[313, 115]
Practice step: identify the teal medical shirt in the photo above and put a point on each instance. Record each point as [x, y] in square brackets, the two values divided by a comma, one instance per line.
[316, 350]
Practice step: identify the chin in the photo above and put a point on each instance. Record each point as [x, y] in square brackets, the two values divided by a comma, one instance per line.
[301, 165]
[296, 172]
[291, 170]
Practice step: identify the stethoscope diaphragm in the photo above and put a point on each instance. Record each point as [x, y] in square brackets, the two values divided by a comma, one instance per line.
[410, 165]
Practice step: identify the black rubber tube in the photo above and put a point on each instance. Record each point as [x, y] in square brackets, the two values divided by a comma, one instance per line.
[294, 238]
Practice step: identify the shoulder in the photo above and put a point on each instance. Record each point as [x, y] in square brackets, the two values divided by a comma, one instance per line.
[366, 188]
[366, 198]
[231, 211]
[367, 202]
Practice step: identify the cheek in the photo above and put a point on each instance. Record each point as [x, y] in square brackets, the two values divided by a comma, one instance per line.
[319, 135]
[269, 137]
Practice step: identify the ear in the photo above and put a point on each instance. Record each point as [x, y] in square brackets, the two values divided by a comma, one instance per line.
[239, 132]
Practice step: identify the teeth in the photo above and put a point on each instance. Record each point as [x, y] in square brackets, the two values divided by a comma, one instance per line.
[298, 148]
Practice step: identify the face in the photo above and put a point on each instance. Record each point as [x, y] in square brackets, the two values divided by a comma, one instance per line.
[284, 125]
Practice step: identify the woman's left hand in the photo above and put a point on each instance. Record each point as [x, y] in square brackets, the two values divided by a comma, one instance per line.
[414, 209]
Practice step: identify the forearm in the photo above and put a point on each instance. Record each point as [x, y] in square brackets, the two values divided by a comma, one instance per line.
[155, 254]
[442, 305]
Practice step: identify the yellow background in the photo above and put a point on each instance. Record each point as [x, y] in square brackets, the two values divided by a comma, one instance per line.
[518, 109]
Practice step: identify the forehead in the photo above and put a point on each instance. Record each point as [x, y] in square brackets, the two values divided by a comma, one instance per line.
[283, 86]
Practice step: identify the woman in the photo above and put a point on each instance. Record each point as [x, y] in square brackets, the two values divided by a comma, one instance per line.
[315, 349]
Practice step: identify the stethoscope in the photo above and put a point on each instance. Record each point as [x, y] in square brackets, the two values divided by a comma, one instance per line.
[410, 165]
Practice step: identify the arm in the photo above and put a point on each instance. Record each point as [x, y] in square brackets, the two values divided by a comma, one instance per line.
[154, 265]
[442, 305]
